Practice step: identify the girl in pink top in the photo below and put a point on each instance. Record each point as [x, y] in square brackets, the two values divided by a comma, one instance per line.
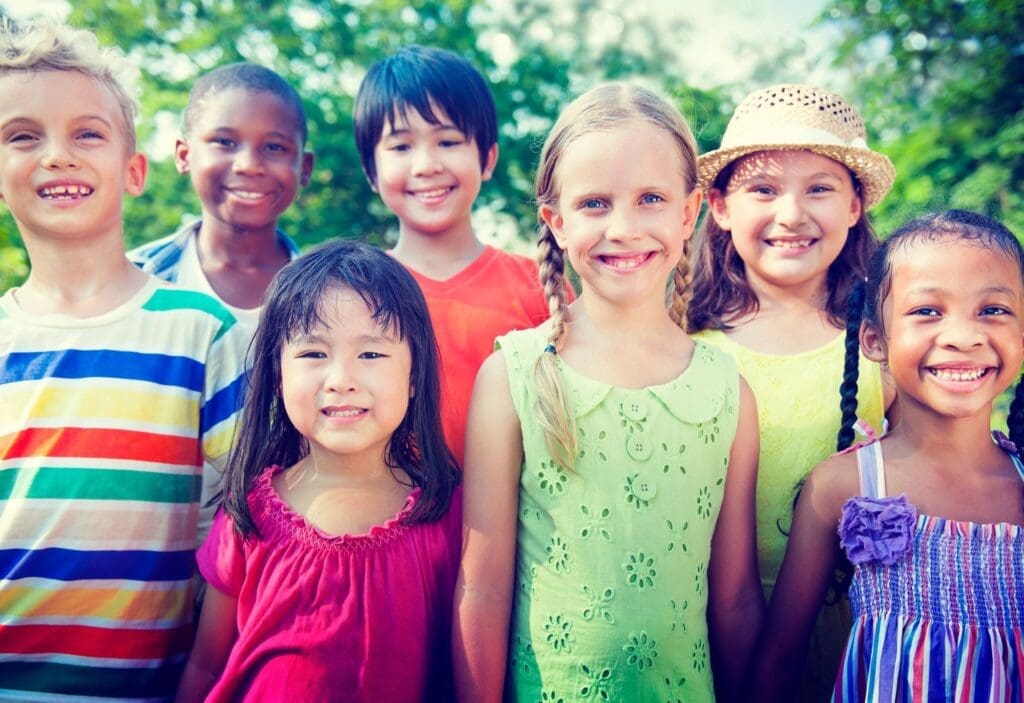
[333, 561]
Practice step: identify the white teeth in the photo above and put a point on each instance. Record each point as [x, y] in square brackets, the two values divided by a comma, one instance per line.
[624, 263]
[952, 375]
[436, 193]
[65, 192]
[351, 412]
[790, 243]
[248, 194]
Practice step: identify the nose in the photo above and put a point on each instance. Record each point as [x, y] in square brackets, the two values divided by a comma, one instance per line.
[425, 161]
[248, 161]
[58, 155]
[341, 376]
[789, 210]
[622, 224]
[959, 333]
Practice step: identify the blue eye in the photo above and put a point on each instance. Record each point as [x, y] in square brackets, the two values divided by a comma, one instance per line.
[651, 198]
[926, 311]
[592, 204]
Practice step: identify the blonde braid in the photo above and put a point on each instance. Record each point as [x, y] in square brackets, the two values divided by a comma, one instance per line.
[682, 290]
[553, 410]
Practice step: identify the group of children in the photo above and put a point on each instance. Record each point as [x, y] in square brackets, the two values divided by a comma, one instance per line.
[439, 474]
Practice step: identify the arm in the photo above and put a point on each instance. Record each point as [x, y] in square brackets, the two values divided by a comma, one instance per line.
[811, 556]
[483, 593]
[217, 633]
[735, 601]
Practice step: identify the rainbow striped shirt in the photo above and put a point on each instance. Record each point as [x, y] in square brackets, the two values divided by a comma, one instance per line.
[105, 423]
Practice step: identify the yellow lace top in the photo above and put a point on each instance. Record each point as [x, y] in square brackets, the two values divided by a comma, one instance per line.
[798, 413]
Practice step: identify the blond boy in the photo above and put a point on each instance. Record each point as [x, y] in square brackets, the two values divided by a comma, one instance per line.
[115, 388]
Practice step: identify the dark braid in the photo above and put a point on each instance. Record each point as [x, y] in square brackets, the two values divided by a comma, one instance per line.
[851, 367]
[1015, 420]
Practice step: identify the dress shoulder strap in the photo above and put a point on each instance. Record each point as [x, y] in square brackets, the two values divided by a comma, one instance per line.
[871, 470]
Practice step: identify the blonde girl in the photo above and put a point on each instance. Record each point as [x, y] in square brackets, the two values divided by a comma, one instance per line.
[785, 239]
[611, 460]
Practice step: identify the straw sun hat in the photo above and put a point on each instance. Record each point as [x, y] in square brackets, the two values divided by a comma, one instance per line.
[789, 117]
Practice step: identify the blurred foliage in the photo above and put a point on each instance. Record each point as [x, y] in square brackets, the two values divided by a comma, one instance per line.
[941, 83]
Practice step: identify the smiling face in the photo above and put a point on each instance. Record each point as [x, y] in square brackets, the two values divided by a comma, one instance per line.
[245, 156]
[953, 323]
[64, 159]
[346, 384]
[623, 210]
[429, 175]
[789, 213]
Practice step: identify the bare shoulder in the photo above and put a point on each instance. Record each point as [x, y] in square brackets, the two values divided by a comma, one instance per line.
[831, 483]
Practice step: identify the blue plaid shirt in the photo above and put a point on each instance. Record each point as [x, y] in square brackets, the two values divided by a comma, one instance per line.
[162, 256]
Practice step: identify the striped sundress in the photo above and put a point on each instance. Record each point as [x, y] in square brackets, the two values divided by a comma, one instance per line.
[943, 619]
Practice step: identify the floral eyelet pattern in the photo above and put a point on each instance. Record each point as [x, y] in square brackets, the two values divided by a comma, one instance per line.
[559, 633]
[558, 555]
[640, 571]
[640, 650]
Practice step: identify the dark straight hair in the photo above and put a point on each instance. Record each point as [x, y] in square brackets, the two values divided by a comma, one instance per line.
[292, 307]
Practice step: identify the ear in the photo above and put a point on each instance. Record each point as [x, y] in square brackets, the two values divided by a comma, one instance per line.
[555, 222]
[856, 208]
[308, 159]
[181, 156]
[489, 163]
[872, 343]
[718, 209]
[135, 174]
[691, 209]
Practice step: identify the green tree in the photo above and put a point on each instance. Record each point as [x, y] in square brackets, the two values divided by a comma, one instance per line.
[940, 82]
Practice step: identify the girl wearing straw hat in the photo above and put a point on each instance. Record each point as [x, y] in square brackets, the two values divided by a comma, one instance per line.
[786, 238]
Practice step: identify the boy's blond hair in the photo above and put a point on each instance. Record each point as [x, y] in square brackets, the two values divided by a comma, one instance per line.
[46, 45]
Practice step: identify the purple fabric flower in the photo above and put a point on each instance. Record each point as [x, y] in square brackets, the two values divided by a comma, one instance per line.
[877, 529]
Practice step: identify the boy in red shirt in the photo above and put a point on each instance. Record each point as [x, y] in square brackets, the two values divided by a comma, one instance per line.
[426, 129]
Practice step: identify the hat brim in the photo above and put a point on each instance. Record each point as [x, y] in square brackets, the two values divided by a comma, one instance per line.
[874, 171]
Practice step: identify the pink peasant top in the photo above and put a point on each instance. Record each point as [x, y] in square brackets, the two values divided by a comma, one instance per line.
[335, 618]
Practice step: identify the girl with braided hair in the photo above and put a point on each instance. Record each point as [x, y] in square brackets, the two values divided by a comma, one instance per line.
[932, 514]
[610, 460]
[786, 236]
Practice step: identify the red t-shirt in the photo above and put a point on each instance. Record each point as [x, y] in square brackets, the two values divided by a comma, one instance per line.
[497, 293]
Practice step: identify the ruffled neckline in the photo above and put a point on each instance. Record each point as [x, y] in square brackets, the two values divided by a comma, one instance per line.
[274, 514]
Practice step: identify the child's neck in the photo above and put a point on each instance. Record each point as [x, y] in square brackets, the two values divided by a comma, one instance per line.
[787, 321]
[242, 247]
[634, 349]
[78, 278]
[343, 497]
[955, 442]
[438, 256]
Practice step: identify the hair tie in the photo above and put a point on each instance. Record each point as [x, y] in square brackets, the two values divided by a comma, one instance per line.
[550, 349]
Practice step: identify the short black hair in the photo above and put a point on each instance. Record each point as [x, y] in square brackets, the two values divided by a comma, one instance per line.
[248, 76]
[416, 76]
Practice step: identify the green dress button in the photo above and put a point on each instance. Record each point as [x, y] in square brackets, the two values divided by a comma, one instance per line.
[644, 489]
[638, 447]
[635, 410]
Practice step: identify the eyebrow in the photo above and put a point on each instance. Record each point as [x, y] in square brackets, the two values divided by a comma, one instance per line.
[434, 128]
